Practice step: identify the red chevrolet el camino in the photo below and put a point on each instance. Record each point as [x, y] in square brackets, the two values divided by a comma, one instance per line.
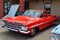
[29, 21]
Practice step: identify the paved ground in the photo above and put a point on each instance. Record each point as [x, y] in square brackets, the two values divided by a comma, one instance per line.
[6, 35]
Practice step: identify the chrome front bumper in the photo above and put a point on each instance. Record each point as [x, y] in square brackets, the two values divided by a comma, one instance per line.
[19, 30]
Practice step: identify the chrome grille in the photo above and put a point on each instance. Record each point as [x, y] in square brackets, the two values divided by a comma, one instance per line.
[11, 25]
[55, 35]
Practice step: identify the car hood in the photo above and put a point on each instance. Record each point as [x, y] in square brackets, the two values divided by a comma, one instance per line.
[56, 30]
[21, 19]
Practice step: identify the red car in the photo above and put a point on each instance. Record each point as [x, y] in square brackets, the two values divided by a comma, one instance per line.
[29, 21]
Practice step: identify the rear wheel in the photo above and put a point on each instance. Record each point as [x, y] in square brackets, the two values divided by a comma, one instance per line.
[32, 32]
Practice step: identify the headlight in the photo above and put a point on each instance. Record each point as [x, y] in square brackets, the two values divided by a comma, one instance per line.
[24, 28]
[3, 23]
[54, 37]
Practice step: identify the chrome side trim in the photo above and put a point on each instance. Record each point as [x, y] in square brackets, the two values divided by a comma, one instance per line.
[40, 23]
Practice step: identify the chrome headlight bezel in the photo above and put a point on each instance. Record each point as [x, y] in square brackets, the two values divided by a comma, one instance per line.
[23, 28]
[3, 23]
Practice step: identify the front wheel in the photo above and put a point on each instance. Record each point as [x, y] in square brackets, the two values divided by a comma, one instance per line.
[10, 31]
[32, 32]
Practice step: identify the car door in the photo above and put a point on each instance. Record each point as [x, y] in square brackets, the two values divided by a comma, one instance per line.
[47, 21]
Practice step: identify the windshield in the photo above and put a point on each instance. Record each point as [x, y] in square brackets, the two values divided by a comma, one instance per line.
[32, 13]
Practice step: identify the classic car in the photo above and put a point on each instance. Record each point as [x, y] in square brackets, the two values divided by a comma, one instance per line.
[55, 33]
[29, 21]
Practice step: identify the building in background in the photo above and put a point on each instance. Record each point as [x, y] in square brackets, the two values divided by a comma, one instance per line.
[52, 6]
